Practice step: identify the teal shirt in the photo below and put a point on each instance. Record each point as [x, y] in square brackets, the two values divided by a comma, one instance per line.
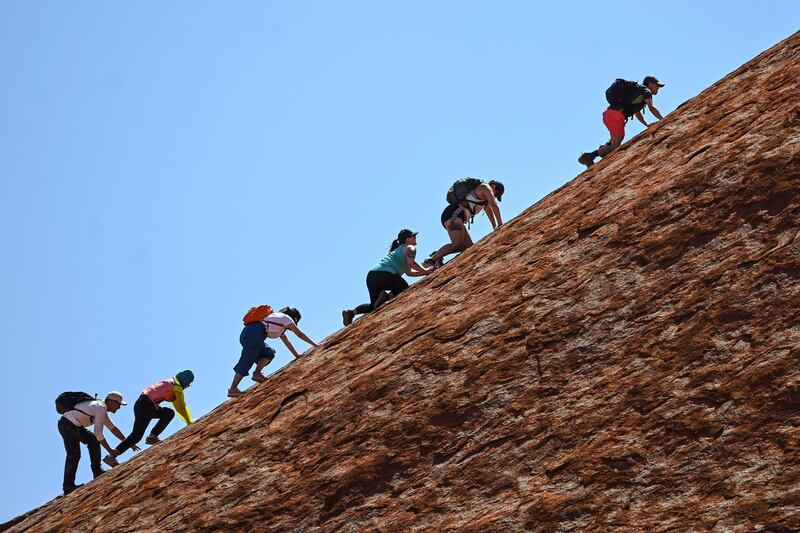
[394, 262]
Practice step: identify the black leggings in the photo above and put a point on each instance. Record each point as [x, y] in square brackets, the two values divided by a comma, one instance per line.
[377, 282]
[145, 410]
[73, 437]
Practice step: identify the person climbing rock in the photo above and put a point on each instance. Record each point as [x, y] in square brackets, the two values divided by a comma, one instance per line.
[76, 416]
[259, 323]
[148, 407]
[626, 99]
[388, 275]
[466, 198]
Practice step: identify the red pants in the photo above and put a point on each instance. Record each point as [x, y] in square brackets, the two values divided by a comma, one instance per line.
[615, 122]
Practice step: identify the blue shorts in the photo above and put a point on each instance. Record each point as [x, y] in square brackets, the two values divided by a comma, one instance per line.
[253, 348]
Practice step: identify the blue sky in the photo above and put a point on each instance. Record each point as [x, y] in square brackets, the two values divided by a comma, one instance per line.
[167, 165]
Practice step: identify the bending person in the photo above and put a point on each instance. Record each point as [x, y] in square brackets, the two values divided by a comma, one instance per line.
[148, 407]
[388, 275]
[255, 349]
[456, 216]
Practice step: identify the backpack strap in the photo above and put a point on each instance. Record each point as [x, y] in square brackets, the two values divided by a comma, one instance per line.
[91, 418]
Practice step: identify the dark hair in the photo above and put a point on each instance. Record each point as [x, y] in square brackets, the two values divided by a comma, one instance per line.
[293, 313]
[401, 238]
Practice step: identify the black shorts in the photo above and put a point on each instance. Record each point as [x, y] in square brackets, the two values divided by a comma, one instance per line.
[452, 211]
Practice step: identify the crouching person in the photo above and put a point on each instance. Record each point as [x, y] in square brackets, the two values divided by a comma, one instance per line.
[259, 323]
[76, 416]
[148, 407]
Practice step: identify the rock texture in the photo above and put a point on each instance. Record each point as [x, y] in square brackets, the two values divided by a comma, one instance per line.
[622, 356]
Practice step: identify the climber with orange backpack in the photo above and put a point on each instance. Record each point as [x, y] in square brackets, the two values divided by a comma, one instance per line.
[466, 198]
[261, 322]
[626, 99]
[148, 407]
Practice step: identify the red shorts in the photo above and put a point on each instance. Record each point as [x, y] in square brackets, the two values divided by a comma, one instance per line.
[615, 122]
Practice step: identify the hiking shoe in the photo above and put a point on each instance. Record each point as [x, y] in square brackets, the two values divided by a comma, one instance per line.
[67, 490]
[258, 377]
[347, 316]
[586, 159]
[234, 393]
[152, 439]
[110, 460]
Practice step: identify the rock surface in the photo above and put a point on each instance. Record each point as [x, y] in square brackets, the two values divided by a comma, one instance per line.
[622, 356]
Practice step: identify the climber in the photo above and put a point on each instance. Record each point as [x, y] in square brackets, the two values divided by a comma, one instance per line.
[260, 323]
[626, 99]
[467, 198]
[75, 417]
[388, 275]
[148, 407]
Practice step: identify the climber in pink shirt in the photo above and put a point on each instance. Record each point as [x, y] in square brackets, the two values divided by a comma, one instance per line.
[148, 407]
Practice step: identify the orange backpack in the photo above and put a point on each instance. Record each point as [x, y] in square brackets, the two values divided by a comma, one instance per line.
[257, 314]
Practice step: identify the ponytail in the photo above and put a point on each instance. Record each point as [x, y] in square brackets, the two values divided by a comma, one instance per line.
[394, 245]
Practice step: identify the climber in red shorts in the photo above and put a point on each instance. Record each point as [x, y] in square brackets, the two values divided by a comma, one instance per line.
[626, 99]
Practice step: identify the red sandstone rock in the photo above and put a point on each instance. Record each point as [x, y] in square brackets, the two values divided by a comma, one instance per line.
[622, 356]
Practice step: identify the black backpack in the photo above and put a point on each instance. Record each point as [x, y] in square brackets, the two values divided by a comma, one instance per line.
[67, 401]
[460, 189]
[621, 92]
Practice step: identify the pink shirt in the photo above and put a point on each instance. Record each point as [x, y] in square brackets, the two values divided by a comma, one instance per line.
[158, 392]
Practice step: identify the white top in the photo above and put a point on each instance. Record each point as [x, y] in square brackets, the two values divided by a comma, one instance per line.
[474, 203]
[96, 409]
[276, 324]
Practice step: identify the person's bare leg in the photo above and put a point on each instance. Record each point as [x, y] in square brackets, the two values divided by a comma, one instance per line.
[610, 146]
[459, 240]
[260, 364]
[234, 390]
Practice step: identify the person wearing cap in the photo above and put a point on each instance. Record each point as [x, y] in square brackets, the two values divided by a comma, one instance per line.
[72, 426]
[616, 115]
[255, 349]
[387, 275]
[456, 216]
[148, 407]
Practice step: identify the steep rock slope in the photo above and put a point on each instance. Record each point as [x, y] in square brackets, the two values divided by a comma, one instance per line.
[622, 356]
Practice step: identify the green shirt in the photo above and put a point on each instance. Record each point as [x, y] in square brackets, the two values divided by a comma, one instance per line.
[394, 262]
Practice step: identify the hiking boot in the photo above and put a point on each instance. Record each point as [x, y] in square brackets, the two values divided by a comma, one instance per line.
[258, 377]
[234, 393]
[67, 490]
[110, 460]
[586, 159]
[152, 439]
[347, 316]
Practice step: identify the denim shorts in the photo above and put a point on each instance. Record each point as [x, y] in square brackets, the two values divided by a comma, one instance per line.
[253, 348]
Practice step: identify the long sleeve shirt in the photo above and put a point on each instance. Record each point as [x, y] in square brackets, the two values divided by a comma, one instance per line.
[87, 413]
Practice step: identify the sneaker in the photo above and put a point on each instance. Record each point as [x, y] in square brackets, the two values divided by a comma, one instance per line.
[234, 393]
[586, 159]
[347, 316]
[67, 490]
[152, 439]
[110, 460]
[258, 377]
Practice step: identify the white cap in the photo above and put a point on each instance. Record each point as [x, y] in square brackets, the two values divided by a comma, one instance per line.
[116, 396]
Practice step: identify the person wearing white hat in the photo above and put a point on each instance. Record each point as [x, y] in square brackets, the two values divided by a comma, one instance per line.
[72, 426]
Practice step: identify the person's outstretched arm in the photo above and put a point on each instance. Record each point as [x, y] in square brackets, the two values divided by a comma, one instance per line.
[289, 346]
[641, 119]
[653, 109]
[179, 403]
[485, 193]
[414, 270]
[294, 329]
